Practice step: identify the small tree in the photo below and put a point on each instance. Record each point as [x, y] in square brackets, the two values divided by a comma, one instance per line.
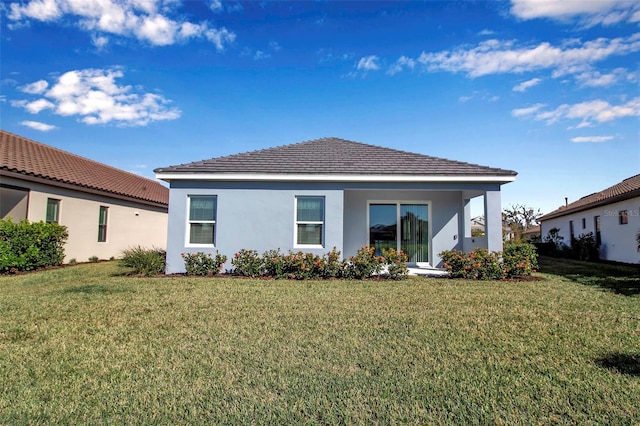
[518, 218]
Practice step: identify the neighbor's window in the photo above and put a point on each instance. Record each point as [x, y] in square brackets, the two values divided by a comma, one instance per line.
[596, 225]
[202, 219]
[53, 210]
[102, 224]
[309, 221]
[623, 217]
[584, 223]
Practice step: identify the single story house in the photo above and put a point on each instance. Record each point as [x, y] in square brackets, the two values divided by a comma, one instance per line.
[612, 215]
[105, 210]
[324, 193]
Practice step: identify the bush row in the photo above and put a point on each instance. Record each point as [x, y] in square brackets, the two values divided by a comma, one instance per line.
[516, 261]
[304, 266]
[25, 246]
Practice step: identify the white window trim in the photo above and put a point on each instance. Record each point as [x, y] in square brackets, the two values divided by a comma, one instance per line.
[297, 222]
[187, 234]
[398, 203]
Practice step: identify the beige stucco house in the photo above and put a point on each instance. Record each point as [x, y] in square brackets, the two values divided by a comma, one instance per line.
[106, 210]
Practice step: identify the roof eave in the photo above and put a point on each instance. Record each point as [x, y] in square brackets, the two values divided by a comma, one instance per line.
[169, 176]
[610, 200]
[80, 188]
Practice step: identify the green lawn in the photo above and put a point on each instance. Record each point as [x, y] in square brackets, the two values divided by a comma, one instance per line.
[88, 345]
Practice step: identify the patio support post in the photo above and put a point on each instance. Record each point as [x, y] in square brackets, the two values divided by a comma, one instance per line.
[467, 218]
[493, 220]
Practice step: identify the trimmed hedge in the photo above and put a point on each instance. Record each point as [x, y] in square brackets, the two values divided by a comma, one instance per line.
[26, 246]
[304, 266]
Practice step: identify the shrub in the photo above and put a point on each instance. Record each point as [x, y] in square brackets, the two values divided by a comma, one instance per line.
[395, 262]
[201, 263]
[484, 265]
[584, 247]
[455, 262]
[93, 259]
[247, 263]
[144, 261]
[332, 264]
[363, 265]
[519, 260]
[25, 246]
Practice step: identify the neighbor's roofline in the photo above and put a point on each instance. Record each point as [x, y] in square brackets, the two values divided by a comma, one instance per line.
[168, 176]
[564, 211]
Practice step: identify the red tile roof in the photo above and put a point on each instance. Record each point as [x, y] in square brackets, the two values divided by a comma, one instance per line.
[20, 156]
[624, 190]
[334, 156]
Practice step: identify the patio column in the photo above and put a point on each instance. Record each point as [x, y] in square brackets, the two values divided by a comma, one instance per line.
[466, 222]
[493, 220]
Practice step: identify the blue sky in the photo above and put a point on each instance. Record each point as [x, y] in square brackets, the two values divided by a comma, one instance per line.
[549, 89]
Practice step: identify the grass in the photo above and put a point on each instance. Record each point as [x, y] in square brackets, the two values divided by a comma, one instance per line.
[88, 345]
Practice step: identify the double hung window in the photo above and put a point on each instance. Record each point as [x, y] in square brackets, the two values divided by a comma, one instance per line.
[202, 219]
[309, 221]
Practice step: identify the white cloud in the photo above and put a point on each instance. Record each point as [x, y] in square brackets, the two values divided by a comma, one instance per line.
[368, 63]
[220, 37]
[215, 5]
[42, 10]
[38, 105]
[590, 12]
[38, 125]
[95, 97]
[593, 139]
[501, 57]
[527, 84]
[521, 112]
[588, 112]
[100, 42]
[402, 63]
[486, 32]
[146, 20]
[260, 55]
[463, 99]
[35, 88]
[594, 78]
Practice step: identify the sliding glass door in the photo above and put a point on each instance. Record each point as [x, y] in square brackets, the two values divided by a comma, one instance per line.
[403, 226]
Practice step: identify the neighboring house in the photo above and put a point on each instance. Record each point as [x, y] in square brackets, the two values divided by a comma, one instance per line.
[106, 210]
[316, 195]
[532, 233]
[477, 225]
[612, 215]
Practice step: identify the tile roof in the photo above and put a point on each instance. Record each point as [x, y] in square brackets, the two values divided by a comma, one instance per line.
[22, 156]
[334, 156]
[624, 190]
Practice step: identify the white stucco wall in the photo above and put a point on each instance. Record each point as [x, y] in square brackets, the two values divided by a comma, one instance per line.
[129, 224]
[618, 241]
[260, 215]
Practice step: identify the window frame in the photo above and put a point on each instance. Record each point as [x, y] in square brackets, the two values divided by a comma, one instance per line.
[103, 227]
[623, 217]
[190, 221]
[50, 202]
[297, 222]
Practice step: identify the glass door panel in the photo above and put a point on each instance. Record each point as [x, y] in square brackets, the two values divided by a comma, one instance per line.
[383, 224]
[414, 232]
